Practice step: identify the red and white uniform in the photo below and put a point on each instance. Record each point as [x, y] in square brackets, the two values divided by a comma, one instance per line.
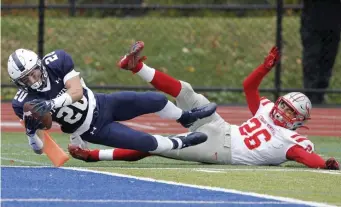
[258, 141]
[269, 136]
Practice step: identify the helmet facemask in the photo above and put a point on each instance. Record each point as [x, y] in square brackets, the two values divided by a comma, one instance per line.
[36, 86]
[294, 120]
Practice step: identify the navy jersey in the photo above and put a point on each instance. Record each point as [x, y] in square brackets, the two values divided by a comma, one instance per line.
[60, 68]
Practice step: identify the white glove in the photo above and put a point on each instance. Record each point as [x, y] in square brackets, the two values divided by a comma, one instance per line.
[36, 144]
[78, 141]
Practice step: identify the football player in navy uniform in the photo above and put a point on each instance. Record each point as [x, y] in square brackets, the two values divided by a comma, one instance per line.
[52, 85]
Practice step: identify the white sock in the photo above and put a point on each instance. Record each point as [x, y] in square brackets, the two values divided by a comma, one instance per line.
[146, 73]
[164, 144]
[178, 141]
[106, 154]
[170, 111]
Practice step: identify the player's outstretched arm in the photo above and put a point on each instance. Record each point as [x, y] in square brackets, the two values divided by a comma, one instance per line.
[32, 125]
[311, 160]
[74, 93]
[252, 81]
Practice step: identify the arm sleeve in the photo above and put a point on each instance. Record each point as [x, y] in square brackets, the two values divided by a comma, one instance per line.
[66, 65]
[312, 160]
[251, 84]
[18, 111]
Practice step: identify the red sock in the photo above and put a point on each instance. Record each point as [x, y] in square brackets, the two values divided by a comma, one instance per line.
[129, 155]
[94, 154]
[120, 154]
[166, 83]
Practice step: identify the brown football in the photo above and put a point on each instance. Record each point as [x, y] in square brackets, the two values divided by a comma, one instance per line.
[46, 119]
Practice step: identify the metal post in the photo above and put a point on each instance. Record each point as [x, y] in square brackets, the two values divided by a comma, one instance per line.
[41, 24]
[72, 11]
[279, 45]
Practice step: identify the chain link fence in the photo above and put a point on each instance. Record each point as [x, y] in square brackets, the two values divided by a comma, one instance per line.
[213, 48]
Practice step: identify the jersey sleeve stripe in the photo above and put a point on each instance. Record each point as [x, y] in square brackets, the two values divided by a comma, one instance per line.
[264, 101]
[295, 135]
[70, 75]
[301, 139]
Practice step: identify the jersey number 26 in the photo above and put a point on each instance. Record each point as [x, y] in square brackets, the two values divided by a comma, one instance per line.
[252, 132]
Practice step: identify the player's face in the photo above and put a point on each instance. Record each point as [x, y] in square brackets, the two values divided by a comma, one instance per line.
[32, 77]
[288, 111]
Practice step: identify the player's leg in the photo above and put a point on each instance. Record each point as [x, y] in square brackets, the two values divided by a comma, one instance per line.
[186, 97]
[216, 150]
[78, 149]
[105, 154]
[120, 136]
[128, 105]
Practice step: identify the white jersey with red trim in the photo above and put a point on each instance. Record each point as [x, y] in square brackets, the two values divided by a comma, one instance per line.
[259, 141]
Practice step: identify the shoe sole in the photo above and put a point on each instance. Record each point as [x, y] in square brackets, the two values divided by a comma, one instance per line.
[136, 48]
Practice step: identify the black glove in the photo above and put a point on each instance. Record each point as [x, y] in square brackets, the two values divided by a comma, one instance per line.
[31, 125]
[332, 164]
[41, 106]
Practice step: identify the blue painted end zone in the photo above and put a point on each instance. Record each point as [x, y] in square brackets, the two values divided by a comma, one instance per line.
[60, 187]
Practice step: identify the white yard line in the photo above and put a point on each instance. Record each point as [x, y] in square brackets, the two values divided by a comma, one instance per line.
[23, 161]
[216, 170]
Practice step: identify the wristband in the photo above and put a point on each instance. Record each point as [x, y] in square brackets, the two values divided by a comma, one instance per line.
[63, 100]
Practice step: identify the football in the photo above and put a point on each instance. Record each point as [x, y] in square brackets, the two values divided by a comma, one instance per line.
[46, 119]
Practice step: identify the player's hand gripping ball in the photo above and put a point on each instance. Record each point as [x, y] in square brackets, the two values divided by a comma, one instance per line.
[45, 119]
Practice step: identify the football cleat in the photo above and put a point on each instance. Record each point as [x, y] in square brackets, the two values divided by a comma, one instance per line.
[130, 60]
[80, 154]
[189, 117]
[191, 139]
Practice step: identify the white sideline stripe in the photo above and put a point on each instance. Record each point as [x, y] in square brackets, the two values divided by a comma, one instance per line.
[215, 170]
[279, 198]
[285, 199]
[143, 201]
[23, 161]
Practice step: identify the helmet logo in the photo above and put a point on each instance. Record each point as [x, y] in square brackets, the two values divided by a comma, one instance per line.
[17, 62]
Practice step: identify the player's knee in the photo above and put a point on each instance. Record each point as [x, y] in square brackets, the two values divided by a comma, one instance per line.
[146, 143]
[163, 144]
[186, 87]
[159, 100]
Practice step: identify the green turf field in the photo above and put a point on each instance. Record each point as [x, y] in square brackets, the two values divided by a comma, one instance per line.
[290, 180]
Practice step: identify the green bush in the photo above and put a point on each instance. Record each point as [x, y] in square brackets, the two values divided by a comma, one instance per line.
[213, 51]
